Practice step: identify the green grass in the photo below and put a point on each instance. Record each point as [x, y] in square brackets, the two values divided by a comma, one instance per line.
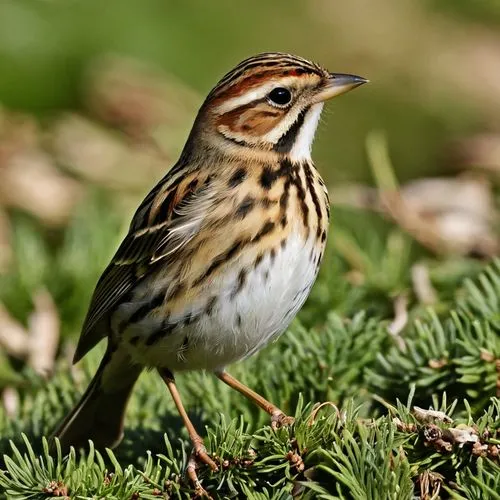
[339, 351]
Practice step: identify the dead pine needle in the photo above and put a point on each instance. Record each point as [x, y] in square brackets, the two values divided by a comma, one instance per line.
[400, 320]
[425, 292]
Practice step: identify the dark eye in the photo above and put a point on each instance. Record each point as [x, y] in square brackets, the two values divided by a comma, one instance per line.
[280, 96]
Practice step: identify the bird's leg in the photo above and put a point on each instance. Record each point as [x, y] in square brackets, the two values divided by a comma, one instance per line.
[278, 418]
[199, 453]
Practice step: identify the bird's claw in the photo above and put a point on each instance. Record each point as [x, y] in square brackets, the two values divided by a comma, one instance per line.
[199, 456]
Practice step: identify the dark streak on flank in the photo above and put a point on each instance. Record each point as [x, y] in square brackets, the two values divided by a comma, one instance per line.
[283, 243]
[323, 236]
[258, 260]
[145, 309]
[209, 308]
[266, 229]
[240, 283]
[238, 177]
[272, 255]
[245, 207]
[165, 329]
[238, 245]
[221, 259]
[318, 260]
[189, 319]
[238, 320]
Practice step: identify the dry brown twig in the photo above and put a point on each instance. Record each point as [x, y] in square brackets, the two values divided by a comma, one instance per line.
[430, 415]
[438, 432]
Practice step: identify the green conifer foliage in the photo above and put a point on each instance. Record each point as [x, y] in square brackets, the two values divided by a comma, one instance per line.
[378, 415]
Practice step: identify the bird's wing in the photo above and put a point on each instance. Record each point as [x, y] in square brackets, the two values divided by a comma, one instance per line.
[168, 218]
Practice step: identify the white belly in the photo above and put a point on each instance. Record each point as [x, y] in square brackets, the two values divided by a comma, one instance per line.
[271, 298]
[242, 322]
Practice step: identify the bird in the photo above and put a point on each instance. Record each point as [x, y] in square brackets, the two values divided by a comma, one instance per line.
[220, 255]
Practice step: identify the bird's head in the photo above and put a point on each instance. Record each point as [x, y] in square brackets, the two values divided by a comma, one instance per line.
[270, 103]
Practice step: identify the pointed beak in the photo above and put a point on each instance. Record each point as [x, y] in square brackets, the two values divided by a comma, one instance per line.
[339, 83]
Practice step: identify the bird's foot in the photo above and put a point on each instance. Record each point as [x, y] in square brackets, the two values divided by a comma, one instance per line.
[198, 457]
[279, 419]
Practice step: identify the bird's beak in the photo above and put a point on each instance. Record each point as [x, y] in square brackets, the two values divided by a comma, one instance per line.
[338, 83]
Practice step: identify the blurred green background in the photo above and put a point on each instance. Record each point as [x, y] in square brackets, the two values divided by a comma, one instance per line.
[433, 64]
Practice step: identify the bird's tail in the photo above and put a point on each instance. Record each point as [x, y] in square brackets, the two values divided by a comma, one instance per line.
[100, 412]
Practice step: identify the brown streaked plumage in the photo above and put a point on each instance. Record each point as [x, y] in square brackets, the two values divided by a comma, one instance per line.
[223, 251]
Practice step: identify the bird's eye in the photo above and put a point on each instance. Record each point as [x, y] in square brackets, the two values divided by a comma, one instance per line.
[280, 96]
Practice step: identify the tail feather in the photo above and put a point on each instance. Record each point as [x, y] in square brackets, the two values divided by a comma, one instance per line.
[99, 414]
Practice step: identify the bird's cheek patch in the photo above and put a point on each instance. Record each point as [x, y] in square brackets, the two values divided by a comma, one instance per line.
[251, 122]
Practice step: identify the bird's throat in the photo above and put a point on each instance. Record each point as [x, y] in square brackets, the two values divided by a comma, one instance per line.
[304, 135]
